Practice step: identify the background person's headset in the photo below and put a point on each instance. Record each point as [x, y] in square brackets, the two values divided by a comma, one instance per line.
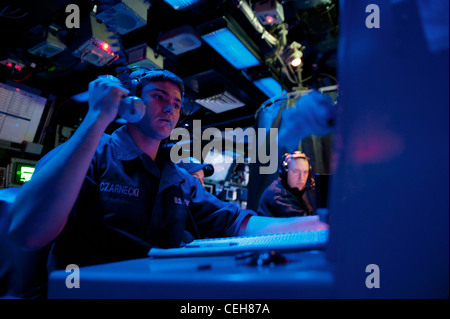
[284, 168]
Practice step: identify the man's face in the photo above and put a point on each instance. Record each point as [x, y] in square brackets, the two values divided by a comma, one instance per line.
[200, 175]
[297, 174]
[163, 105]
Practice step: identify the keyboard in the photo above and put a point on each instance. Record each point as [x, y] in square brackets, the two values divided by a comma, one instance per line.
[283, 242]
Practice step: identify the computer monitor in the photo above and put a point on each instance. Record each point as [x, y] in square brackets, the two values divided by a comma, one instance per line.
[20, 171]
[230, 194]
[20, 114]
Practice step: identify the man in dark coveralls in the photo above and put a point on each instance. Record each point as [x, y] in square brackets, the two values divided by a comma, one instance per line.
[101, 198]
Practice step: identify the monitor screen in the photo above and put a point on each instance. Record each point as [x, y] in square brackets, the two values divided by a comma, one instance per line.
[20, 114]
[20, 171]
[210, 188]
[231, 194]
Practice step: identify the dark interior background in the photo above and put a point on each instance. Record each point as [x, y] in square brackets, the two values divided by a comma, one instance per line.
[63, 78]
[24, 24]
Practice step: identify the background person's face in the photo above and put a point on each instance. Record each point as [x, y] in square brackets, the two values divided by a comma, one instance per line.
[297, 174]
[200, 175]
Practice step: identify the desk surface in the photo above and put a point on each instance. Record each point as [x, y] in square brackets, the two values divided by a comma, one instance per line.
[306, 275]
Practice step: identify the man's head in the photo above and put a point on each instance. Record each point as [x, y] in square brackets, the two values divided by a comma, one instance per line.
[295, 168]
[197, 169]
[139, 78]
[162, 93]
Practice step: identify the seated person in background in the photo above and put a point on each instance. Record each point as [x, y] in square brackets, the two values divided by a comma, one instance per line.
[100, 198]
[197, 169]
[286, 196]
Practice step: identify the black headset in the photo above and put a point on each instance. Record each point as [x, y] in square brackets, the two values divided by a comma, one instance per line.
[284, 167]
[135, 85]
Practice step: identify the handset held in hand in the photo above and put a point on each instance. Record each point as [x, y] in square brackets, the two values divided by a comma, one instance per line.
[131, 108]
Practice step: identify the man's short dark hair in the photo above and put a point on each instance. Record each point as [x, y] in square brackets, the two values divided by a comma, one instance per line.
[143, 75]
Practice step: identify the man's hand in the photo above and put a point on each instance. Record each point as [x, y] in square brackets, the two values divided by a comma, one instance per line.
[313, 113]
[105, 94]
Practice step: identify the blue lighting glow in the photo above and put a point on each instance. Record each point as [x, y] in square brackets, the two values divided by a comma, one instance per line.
[181, 4]
[269, 86]
[231, 48]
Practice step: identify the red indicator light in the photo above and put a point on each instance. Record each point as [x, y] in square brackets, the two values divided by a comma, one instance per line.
[269, 19]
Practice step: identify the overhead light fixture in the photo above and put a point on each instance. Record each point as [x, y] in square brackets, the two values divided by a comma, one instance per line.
[269, 12]
[269, 86]
[143, 55]
[181, 4]
[13, 64]
[293, 54]
[95, 52]
[49, 44]
[100, 48]
[180, 40]
[231, 48]
[127, 16]
[220, 102]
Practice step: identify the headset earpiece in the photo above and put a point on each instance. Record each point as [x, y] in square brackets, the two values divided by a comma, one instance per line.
[284, 165]
[134, 83]
[133, 87]
[133, 80]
